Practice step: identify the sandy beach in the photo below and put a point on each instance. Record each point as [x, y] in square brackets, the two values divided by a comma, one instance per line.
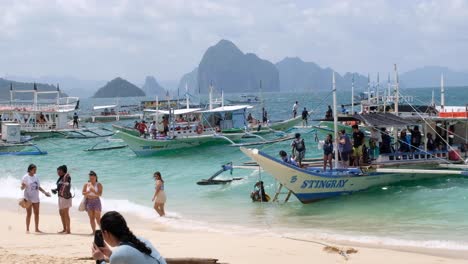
[18, 247]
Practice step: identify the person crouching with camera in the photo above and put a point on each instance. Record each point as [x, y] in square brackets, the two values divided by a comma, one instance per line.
[64, 197]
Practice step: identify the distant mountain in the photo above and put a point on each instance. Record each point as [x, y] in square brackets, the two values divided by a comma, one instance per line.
[299, 76]
[71, 85]
[119, 87]
[429, 76]
[5, 90]
[229, 69]
[152, 87]
[190, 80]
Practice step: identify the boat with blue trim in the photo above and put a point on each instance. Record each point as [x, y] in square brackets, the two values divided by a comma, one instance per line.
[312, 184]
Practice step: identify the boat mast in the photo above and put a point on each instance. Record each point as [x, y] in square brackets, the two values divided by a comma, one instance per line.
[211, 95]
[352, 95]
[35, 97]
[397, 90]
[368, 89]
[377, 91]
[442, 91]
[11, 93]
[187, 100]
[335, 121]
[58, 94]
[222, 98]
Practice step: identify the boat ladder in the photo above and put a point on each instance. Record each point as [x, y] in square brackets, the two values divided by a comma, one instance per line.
[278, 193]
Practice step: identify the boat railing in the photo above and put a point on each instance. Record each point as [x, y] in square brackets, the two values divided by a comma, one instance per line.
[28, 107]
[38, 127]
[417, 155]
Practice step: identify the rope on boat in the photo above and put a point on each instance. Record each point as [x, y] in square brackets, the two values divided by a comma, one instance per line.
[427, 124]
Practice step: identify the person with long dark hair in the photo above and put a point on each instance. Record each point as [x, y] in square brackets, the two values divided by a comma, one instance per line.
[328, 152]
[159, 197]
[128, 249]
[64, 197]
[92, 190]
[31, 186]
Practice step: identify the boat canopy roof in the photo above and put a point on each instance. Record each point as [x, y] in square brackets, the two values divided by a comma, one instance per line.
[176, 111]
[375, 119]
[99, 107]
[228, 108]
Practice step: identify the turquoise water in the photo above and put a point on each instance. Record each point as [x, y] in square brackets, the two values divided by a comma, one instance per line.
[432, 213]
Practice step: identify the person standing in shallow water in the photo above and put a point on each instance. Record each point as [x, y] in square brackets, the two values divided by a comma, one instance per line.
[159, 197]
[31, 186]
[92, 190]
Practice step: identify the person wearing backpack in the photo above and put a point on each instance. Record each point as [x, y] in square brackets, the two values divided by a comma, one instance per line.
[298, 149]
[64, 197]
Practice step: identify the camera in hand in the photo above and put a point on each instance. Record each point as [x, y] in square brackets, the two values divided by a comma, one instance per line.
[98, 239]
[54, 191]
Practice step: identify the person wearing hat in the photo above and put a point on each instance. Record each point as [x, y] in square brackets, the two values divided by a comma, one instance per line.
[92, 190]
[298, 149]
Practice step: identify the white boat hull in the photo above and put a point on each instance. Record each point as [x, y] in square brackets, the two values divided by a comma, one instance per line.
[310, 185]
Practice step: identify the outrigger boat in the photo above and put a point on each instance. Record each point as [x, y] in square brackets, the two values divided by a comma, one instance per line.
[110, 113]
[311, 184]
[191, 127]
[12, 143]
[45, 119]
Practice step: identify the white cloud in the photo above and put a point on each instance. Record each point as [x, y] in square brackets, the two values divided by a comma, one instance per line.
[105, 38]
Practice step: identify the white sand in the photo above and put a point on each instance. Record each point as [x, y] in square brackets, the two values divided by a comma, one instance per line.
[18, 247]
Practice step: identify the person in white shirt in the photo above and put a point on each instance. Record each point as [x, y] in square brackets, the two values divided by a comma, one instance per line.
[152, 129]
[294, 110]
[31, 186]
[126, 247]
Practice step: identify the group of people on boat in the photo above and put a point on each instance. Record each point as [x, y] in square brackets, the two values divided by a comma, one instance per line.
[264, 120]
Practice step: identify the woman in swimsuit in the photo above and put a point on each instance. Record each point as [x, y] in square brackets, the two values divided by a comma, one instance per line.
[92, 190]
[159, 197]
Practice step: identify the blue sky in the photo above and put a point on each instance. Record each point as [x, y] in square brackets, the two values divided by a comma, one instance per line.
[134, 38]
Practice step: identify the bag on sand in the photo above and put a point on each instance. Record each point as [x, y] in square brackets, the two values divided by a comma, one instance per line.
[24, 203]
[82, 206]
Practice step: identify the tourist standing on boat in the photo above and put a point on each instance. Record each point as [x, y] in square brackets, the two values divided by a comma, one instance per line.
[31, 186]
[305, 117]
[142, 128]
[358, 142]
[64, 197]
[328, 152]
[298, 149]
[153, 129]
[385, 146]
[345, 148]
[92, 191]
[159, 197]
[165, 123]
[126, 247]
[329, 113]
[404, 143]
[294, 109]
[75, 120]
[264, 116]
[415, 138]
[284, 157]
[136, 125]
[374, 142]
[431, 146]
